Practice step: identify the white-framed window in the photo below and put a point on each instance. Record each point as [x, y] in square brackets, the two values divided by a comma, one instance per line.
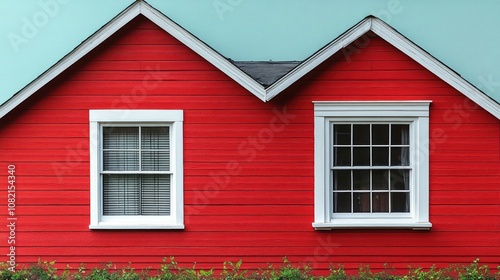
[136, 169]
[371, 164]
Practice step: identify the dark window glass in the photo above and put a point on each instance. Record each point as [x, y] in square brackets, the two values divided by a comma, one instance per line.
[342, 134]
[361, 134]
[342, 179]
[380, 134]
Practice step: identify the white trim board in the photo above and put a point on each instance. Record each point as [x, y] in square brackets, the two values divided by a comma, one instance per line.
[265, 94]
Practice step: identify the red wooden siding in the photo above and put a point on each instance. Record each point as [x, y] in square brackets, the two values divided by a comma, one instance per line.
[248, 164]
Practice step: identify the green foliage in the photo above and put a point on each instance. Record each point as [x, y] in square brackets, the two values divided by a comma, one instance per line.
[336, 273]
[432, 274]
[475, 272]
[171, 270]
[232, 271]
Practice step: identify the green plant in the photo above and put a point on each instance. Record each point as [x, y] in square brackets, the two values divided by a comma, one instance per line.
[232, 271]
[40, 271]
[336, 273]
[432, 274]
[475, 272]
[171, 270]
[289, 272]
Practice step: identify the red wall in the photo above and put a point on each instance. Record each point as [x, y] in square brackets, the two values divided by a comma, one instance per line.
[248, 169]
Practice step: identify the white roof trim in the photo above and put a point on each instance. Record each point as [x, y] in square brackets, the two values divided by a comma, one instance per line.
[265, 94]
[317, 58]
[204, 51]
[393, 37]
[387, 33]
[137, 8]
[71, 58]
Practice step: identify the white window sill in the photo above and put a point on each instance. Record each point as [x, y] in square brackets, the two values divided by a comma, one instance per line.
[140, 226]
[372, 224]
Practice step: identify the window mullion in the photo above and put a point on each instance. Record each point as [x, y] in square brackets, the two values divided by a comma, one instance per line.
[390, 169]
[351, 165]
[140, 169]
[371, 172]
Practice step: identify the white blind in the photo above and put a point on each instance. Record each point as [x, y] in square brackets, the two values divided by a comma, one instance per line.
[143, 155]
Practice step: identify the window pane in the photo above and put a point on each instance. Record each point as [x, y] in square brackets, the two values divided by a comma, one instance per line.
[155, 138]
[400, 134]
[342, 179]
[400, 156]
[380, 156]
[155, 199]
[120, 161]
[400, 179]
[342, 156]
[361, 202]
[380, 202]
[342, 202]
[136, 195]
[400, 202]
[121, 195]
[120, 138]
[380, 179]
[361, 134]
[361, 179]
[380, 134]
[342, 134]
[155, 161]
[361, 156]
[120, 148]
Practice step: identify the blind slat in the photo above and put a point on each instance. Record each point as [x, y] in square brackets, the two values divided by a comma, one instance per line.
[136, 149]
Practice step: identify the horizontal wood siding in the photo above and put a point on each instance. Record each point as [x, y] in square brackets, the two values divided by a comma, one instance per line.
[248, 165]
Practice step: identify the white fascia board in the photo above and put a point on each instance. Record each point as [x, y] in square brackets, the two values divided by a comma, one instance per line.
[439, 69]
[84, 48]
[317, 58]
[393, 37]
[203, 50]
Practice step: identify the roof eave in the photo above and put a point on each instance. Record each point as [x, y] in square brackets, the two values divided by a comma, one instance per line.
[205, 51]
[226, 66]
[81, 50]
[399, 41]
[317, 58]
[131, 12]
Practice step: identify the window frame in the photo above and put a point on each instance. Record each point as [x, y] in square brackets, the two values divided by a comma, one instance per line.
[416, 113]
[172, 118]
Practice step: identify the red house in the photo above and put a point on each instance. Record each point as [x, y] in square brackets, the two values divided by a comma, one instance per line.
[145, 143]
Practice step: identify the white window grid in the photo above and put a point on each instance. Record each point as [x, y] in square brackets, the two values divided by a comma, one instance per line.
[139, 150]
[369, 167]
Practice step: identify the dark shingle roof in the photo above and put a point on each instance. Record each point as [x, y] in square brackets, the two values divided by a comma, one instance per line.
[266, 72]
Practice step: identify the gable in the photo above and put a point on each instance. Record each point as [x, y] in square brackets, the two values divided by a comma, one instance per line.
[283, 74]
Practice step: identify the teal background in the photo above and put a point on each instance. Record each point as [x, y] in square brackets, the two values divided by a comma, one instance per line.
[463, 34]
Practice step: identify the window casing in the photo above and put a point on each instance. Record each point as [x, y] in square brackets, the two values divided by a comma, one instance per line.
[136, 169]
[371, 165]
